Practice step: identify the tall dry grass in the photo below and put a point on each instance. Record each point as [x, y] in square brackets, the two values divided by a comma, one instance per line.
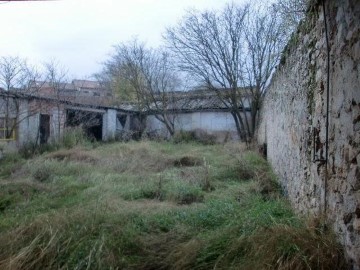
[148, 205]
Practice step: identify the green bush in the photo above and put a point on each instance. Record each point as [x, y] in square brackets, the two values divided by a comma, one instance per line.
[184, 137]
[74, 136]
[198, 136]
[71, 137]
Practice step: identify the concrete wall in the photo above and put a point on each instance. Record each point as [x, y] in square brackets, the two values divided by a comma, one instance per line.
[27, 113]
[27, 122]
[109, 125]
[220, 124]
[57, 114]
[293, 120]
[23, 123]
[57, 119]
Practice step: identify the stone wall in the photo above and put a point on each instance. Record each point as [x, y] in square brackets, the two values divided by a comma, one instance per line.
[293, 120]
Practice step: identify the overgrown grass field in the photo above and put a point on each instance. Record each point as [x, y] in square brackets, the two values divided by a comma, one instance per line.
[152, 205]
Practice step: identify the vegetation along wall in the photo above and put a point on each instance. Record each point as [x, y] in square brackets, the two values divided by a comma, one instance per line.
[313, 138]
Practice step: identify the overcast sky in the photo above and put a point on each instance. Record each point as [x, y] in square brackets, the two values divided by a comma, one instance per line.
[79, 34]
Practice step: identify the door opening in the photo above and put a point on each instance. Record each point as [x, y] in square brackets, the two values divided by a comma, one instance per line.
[44, 128]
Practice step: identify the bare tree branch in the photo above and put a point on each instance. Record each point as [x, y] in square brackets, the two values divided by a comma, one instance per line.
[210, 47]
[148, 75]
[265, 38]
[233, 53]
[292, 11]
[16, 77]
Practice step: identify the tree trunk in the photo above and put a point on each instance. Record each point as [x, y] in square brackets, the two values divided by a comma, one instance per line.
[168, 124]
[254, 112]
[240, 128]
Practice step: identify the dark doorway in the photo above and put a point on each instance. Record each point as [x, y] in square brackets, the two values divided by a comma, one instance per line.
[91, 122]
[44, 128]
[122, 119]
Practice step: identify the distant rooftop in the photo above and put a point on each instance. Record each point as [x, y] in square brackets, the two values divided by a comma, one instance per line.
[87, 84]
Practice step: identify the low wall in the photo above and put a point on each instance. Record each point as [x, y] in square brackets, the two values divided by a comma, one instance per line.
[293, 120]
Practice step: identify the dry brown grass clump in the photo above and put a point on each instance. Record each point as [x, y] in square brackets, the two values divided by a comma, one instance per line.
[67, 240]
[136, 159]
[284, 247]
[74, 154]
[148, 205]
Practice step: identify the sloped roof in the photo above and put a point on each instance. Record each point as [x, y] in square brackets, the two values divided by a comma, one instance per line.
[73, 102]
[190, 103]
[87, 84]
[199, 100]
[177, 101]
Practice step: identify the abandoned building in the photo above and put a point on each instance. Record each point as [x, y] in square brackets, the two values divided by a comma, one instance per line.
[41, 114]
[25, 118]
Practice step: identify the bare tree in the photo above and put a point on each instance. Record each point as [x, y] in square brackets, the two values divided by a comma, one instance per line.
[113, 77]
[63, 91]
[56, 78]
[265, 37]
[210, 47]
[12, 72]
[149, 75]
[57, 81]
[233, 53]
[16, 77]
[292, 11]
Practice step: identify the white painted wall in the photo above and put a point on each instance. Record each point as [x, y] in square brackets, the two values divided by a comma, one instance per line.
[209, 121]
[22, 132]
[218, 123]
[109, 125]
[33, 128]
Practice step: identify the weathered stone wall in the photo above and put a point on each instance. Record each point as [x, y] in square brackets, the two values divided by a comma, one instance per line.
[293, 120]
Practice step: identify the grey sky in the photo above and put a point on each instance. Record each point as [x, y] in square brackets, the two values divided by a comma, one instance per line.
[80, 33]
